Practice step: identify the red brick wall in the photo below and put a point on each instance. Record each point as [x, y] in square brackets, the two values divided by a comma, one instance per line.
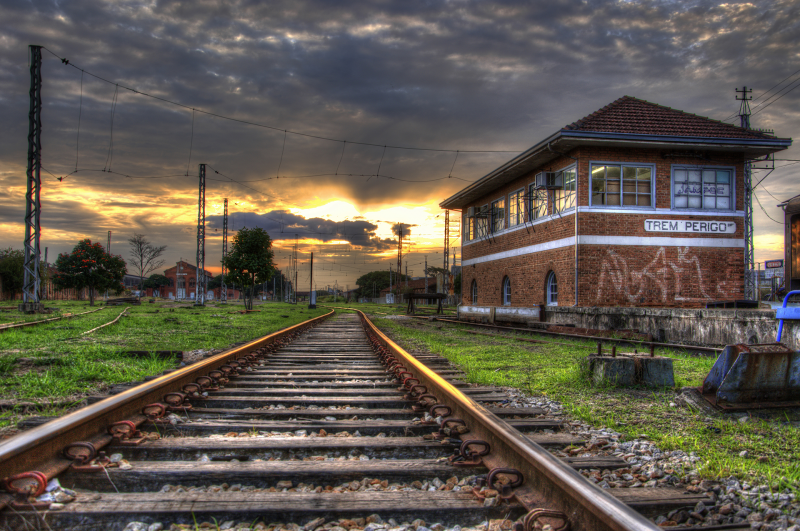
[613, 275]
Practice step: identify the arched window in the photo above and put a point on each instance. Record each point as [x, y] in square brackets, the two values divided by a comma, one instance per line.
[474, 290]
[506, 291]
[552, 290]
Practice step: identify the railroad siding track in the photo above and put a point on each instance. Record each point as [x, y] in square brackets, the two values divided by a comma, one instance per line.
[318, 428]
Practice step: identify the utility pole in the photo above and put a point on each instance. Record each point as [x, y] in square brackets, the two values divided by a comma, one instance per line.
[223, 294]
[390, 278]
[400, 255]
[200, 273]
[312, 295]
[33, 205]
[426, 277]
[108, 251]
[406, 275]
[744, 117]
[446, 265]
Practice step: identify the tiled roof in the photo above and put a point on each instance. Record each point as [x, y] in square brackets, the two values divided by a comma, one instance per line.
[635, 116]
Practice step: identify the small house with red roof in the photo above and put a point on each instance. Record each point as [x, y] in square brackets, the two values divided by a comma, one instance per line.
[637, 204]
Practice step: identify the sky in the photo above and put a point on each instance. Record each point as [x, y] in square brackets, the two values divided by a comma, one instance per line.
[303, 111]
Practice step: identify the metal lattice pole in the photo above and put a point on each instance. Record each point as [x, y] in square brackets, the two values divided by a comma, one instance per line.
[224, 293]
[33, 207]
[446, 264]
[749, 259]
[200, 294]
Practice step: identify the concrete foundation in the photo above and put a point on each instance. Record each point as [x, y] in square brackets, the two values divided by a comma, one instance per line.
[705, 327]
[32, 307]
[627, 370]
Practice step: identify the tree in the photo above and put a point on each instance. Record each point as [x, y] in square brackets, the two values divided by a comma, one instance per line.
[249, 261]
[156, 282]
[12, 273]
[378, 280]
[145, 256]
[89, 266]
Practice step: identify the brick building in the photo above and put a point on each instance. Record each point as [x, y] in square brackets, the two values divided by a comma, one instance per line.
[183, 284]
[636, 204]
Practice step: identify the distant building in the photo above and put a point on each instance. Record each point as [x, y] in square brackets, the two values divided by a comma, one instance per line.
[183, 284]
[636, 204]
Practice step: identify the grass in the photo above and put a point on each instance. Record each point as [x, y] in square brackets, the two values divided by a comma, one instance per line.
[55, 364]
[772, 439]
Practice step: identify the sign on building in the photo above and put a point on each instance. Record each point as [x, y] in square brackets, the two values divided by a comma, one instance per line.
[689, 225]
[773, 264]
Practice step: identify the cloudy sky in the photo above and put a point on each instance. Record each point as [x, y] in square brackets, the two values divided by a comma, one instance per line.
[488, 79]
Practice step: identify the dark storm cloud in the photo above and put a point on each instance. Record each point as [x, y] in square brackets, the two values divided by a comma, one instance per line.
[457, 74]
[283, 225]
[403, 228]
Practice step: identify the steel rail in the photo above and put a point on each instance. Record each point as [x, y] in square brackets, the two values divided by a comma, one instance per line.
[578, 336]
[40, 448]
[549, 483]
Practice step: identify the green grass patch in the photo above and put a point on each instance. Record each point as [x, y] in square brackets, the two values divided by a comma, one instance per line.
[55, 361]
[558, 371]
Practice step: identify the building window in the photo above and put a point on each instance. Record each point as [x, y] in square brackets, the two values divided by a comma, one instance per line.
[565, 197]
[498, 214]
[538, 203]
[516, 211]
[506, 291]
[470, 225]
[552, 290]
[482, 223]
[627, 185]
[474, 290]
[702, 188]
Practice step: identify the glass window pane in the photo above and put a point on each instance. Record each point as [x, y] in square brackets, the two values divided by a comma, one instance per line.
[613, 172]
[680, 175]
[613, 199]
[598, 199]
[681, 201]
[628, 172]
[723, 202]
[644, 200]
[723, 176]
[598, 185]
[629, 187]
[629, 199]
[709, 176]
[695, 202]
[612, 187]
[694, 176]
[643, 173]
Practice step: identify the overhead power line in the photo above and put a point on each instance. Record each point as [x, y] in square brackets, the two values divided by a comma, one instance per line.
[273, 128]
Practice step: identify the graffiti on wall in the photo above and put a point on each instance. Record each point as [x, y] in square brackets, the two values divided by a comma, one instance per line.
[662, 280]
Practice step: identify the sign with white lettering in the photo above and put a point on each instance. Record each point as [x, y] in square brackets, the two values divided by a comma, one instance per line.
[689, 225]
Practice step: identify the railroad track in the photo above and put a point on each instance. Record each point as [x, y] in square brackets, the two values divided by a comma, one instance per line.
[327, 421]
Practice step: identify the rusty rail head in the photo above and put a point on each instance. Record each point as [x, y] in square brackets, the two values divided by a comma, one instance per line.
[556, 484]
[39, 447]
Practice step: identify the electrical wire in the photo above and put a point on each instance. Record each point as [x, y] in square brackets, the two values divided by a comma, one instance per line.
[265, 126]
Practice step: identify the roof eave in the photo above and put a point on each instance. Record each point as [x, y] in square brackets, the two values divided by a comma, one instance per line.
[755, 146]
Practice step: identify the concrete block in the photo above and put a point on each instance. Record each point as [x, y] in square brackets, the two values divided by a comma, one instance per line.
[628, 370]
[656, 372]
[616, 371]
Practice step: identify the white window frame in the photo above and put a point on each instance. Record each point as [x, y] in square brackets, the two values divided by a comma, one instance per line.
[506, 291]
[731, 196]
[492, 217]
[566, 197]
[549, 292]
[621, 165]
[485, 222]
[474, 291]
[520, 217]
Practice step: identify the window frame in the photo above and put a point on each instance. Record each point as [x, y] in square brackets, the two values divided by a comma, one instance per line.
[533, 212]
[556, 200]
[474, 291]
[550, 282]
[485, 232]
[687, 208]
[520, 217]
[622, 165]
[493, 219]
[506, 291]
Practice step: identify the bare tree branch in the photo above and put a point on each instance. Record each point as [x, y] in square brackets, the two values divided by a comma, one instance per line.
[145, 255]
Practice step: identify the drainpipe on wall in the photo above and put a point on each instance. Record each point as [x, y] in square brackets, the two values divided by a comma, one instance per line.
[576, 217]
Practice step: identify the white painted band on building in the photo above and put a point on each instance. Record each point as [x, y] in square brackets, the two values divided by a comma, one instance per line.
[634, 241]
